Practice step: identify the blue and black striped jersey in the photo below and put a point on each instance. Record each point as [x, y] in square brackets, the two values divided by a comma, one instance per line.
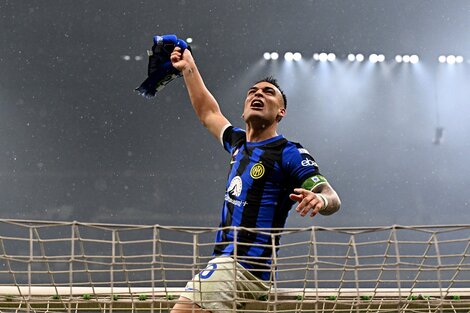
[262, 175]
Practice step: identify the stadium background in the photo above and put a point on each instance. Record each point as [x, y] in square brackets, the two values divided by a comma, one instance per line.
[79, 144]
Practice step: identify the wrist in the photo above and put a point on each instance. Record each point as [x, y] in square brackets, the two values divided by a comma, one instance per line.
[187, 70]
[325, 201]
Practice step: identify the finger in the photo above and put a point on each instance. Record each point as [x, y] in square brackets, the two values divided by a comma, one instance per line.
[175, 58]
[304, 206]
[315, 204]
[301, 206]
[186, 53]
[316, 210]
[177, 51]
[295, 197]
[301, 191]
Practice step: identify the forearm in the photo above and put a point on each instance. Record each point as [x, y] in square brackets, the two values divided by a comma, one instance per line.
[204, 104]
[333, 203]
[202, 100]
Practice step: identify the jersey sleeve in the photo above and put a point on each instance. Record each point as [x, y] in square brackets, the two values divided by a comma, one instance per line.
[300, 165]
[233, 137]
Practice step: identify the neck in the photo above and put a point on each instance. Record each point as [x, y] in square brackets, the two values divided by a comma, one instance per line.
[257, 134]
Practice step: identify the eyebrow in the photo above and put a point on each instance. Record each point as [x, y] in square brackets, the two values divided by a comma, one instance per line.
[266, 88]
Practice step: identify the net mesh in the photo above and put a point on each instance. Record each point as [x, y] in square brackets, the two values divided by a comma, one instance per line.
[73, 266]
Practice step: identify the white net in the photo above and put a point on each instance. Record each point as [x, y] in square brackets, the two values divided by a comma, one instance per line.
[72, 266]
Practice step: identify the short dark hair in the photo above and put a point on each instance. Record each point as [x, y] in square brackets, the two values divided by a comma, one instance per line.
[273, 81]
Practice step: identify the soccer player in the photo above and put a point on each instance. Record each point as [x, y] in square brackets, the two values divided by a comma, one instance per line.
[268, 174]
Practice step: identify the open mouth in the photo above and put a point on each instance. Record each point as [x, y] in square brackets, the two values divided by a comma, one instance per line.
[257, 104]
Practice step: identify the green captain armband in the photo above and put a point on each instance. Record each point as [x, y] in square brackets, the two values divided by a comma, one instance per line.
[313, 181]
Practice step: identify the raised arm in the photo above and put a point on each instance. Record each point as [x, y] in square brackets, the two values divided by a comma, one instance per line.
[206, 107]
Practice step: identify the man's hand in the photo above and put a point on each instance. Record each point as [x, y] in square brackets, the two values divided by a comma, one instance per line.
[181, 61]
[308, 201]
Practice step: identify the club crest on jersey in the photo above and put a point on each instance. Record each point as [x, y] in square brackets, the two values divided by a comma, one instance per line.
[235, 187]
[257, 171]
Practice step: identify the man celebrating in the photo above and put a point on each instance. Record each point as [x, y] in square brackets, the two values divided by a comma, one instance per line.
[268, 174]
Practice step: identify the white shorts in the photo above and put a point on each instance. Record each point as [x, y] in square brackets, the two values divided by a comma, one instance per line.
[224, 286]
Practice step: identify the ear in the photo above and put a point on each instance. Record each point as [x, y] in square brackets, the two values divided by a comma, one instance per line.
[281, 114]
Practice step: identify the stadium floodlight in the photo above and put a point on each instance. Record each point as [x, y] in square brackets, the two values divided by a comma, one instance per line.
[316, 57]
[297, 56]
[267, 56]
[331, 57]
[323, 57]
[450, 59]
[274, 55]
[406, 58]
[189, 40]
[126, 57]
[351, 57]
[359, 57]
[373, 58]
[398, 58]
[414, 59]
[289, 56]
[380, 58]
